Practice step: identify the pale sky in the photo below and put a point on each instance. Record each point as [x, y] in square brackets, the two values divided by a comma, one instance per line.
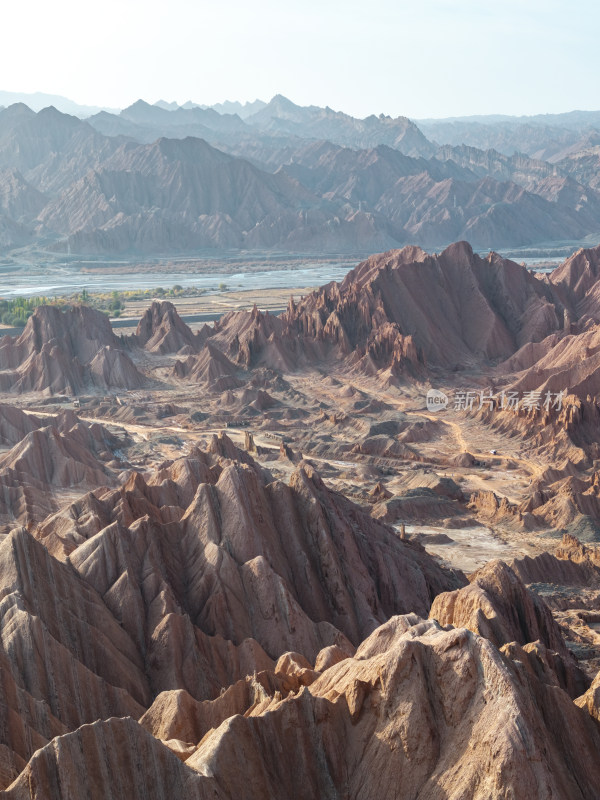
[425, 58]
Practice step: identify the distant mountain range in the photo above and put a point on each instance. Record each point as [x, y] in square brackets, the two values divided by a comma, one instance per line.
[165, 178]
[548, 136]
[38, 100]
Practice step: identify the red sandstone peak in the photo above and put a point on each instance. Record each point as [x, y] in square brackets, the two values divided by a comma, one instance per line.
[65, 351]
[403, 308]
[410, 684]
[161, 330]
[579, 274]
[497, 605]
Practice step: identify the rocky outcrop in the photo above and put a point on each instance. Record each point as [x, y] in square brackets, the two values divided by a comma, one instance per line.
[491, 508]
[109, 759]
[441, 712]
[184, 582]
[423, 496]
[566, 502]
[65, 660]
[244, 579]
[577, 279]
[177, 715]
[417, 505]
[231, 613]
[63, 351]
[569, 365]
[161, 330]
[210, 368]
[498, 606]
[56, 459]
[590, 701]
[393, 312]
[408, 686]
[247, 336]
[81, 331]
[67, 454]
[569, 567]
[15, 424]
[572, 550]
[212, 551]
[113, 369]
[391, 315]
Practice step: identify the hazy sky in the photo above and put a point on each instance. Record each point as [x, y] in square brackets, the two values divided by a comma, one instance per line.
[421, 58]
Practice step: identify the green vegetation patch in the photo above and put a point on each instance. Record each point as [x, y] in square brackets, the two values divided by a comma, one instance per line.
[15, 312]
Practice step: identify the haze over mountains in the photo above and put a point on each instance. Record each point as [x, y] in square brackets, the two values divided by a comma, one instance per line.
[165, 179]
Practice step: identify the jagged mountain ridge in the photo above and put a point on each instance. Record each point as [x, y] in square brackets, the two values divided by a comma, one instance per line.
[125, 188]
[243, 598]
[280, 115]
[547, 136]
[178, 195]
[474, 311]
[64, 351]
[160, 620]
[127, 572]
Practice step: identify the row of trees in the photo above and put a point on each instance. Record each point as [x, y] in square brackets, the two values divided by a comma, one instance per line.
[16, 312]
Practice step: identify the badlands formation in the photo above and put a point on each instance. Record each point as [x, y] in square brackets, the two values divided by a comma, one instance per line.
[253, 561]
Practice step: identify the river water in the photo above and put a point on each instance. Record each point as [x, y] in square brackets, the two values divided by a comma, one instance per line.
[70, 282]
[292, 272]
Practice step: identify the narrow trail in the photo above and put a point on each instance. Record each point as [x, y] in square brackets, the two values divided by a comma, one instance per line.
[147, 431]
[534, 467]
[455, 429]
